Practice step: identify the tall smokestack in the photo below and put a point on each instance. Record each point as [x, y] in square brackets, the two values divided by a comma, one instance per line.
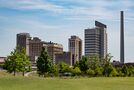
[122, 37]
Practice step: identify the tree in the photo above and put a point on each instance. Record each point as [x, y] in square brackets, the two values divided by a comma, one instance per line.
[54, 70]
[90, 72]
[125, 70]
[107, 65]
[98, 71]
[26, 64]
[83, 64]
[44, 63]
[63, 68]
[17, 61]
[76, 71]
[94, 61]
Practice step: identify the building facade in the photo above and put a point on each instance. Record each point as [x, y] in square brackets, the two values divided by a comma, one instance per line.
[96, 40]
[54, 48]
[75, 47]
[2, 60]
[23, 40]
[64, 57]
[35, 47]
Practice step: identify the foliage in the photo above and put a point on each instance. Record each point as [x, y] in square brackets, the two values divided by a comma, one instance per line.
[98, 71]
[125, 70]
[76, 71]
[94, 61]
[90, 72]
[17, 61]
[83, 64]
[54, 70]
[44, 63]
[63, 67]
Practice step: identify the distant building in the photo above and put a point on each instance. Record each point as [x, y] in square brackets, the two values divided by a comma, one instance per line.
[23, 40]
[96, 40]
[2, 60]
[64, 57]
[54, 48]
[75, 47]
[35, 47]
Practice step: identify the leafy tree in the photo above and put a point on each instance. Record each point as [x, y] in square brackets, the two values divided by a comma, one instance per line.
[17, 61]
[76, 64]
[125, 70]
[107, 65]
[44, 63]
[94, 61]
[83, 64]
[119, 71]
[26, 64]
[54, 70]
[131, 70]
[113, 72]
[76, 71]
[98, 71]
[63, 67]
[90, 72]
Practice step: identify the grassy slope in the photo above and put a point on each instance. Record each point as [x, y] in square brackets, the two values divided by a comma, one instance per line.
[34, 83]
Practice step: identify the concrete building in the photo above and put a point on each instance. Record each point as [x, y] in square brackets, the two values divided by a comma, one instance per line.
[35, 47]
[75, 47]
[54, 48]
[96, 40]
[122, 37]
[23, 41]
[64, 57]
[2, 60]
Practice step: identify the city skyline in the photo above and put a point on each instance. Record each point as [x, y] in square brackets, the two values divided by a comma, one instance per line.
[53, 20]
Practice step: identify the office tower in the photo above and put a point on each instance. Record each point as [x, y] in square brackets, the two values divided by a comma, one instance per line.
[35, 47]
[122, 37]
[75, 47]
[96, 40]
[23, 41]
[54, 48]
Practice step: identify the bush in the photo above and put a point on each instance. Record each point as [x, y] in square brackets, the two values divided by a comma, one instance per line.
[90, 72]
[113, 73]
[125, 71]
[98, 71]
[64, 68]
[54, 71]
[76, 71]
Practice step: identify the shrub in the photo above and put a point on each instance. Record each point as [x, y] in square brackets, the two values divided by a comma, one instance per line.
[76, 71]
[90, 72]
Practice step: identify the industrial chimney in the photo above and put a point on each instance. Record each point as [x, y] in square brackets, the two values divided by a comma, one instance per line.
[121, 37]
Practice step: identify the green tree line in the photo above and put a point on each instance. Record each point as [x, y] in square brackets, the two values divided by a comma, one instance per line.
[91, 66]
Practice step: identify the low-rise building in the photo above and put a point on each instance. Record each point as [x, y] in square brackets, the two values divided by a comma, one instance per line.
[64, 57]
[2, 60]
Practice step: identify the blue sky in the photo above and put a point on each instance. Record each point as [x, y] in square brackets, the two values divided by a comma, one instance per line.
[57, 20]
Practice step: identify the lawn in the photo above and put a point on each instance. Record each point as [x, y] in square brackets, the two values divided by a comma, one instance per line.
[8, 82]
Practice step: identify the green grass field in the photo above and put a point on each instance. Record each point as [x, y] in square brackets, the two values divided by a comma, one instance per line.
[8, 82]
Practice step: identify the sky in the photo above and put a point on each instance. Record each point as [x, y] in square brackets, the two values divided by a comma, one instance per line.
[57, 20]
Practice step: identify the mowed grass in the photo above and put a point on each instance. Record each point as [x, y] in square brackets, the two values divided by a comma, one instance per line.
[8, 82]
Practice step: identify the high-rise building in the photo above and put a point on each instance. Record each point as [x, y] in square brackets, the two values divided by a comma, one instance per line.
[35, 47]
[54, 48]
[23, 41]
[75, 47]
[122, 37]
[96, 40]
